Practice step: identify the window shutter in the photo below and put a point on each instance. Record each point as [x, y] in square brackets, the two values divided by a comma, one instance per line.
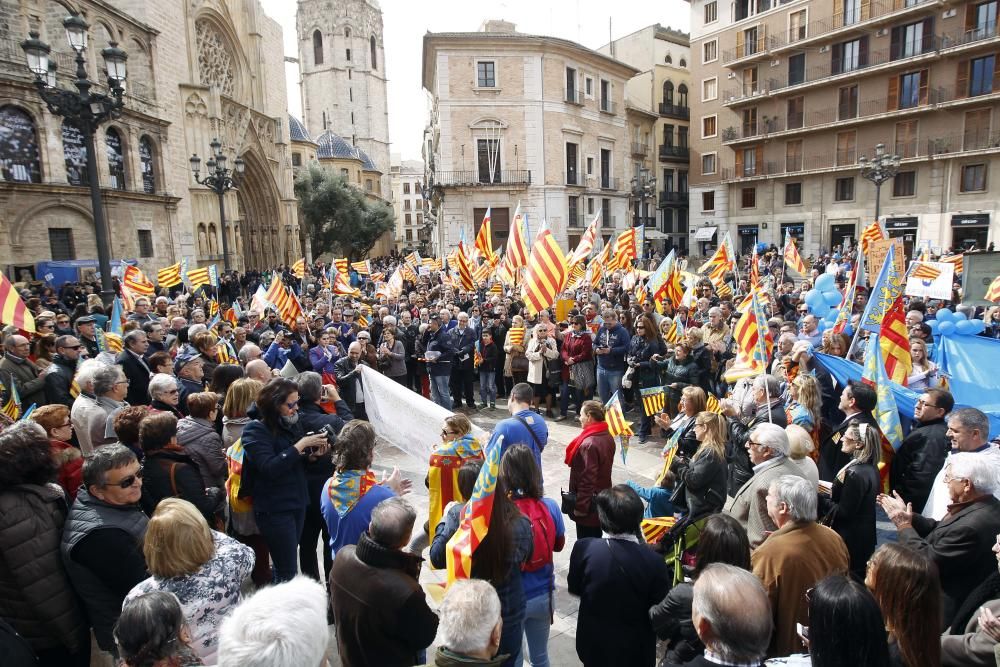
[835, 55]
[923, 86]
[739, 44]
[866, 9]
[759, 159]
[894, 41]
[892, 103]
[962, 80]
[927, 44]
[739, 164]
[863, 52]
[970, 17]
[996, 72]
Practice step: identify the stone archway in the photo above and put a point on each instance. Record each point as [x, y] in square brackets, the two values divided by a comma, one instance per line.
[259, 214]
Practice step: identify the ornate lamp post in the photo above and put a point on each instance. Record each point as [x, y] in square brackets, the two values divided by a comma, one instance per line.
[220, 180]
[85, 110]
[879, 169]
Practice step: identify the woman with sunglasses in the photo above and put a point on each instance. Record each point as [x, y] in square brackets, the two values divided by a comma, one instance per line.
[645, 345]
[457, 447]
[165, 394]
[59, 429]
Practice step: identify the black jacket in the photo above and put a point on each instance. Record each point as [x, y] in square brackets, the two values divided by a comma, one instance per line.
[440, 341]
[58, 380]
[348, 374]
[465, 343]
[169, 474]
[313, 418]
[671, 619]
[853, 505]
[639, 354]
[138, 378]
[705, 485]
[831, 459]
[917, 462]
[277, 472]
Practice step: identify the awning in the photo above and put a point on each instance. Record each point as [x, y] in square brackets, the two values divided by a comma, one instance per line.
[654, 235]
[705, 233]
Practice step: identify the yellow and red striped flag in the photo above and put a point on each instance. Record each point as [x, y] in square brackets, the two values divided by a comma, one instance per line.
[625, 249]
[586, 244]
[476, 520]
[993, 292]
[482, 274]
[342, 265]
[484, 239]
[957, 261]
[615, 418]
[406, 273]
[577, 274]
[12, 408]
[229, 315]
[895, 342]
[342, 287]
[653, 400]
[674, 332]
[364, 268]
[413, 259]
[517, 247]
[925, 271]
[199, 277]
[712, 404]
[462, 265]
[137, 282]
[653, 529]
[872, 232]
[169, 276]
[299, 269]
[225, 353]
[755, 343]
[546, 273]
[496, 288]
[516, 335]
[793, 260]
[283, 301]
[14, 311]
[754, 268]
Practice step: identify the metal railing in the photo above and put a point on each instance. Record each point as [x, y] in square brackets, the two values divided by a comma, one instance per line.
[472, 177]
[754, 47]
[575, 220]
[610, 183]
[674, 152]
[574, 178]
[673, 197]
[840, 19]
[986, 31]
[608, 106]
[980, 139]
[640, 149]
[675, 111]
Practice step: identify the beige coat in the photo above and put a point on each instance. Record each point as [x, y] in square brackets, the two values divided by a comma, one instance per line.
[749, 505]
[974, 648]
[537, 353]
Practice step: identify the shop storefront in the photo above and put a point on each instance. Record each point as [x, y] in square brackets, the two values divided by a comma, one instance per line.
[797, 230]
[842, 236]
[704, 236]
[903, 228]
[748, 238]
[970, 230]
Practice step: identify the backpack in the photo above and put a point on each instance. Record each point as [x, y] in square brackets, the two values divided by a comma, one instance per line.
[543, 533]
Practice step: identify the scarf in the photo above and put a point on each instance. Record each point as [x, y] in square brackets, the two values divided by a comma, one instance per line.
[588, 430]
[348, 487]
[464, 447]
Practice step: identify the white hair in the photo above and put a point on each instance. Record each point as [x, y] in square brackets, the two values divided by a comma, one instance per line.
[280, 626]
[799, 494]
[389, 320]
[469, 612]
[196, 329]
[735, 604]
[248, 352]
[773, 437]
[979, 468]
[160, 383]
[87, 371]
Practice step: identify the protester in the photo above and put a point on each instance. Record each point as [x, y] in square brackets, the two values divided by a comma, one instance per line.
[590, 457]
[59, 375]
[487, 368]
[135, 367]
[679, 431]
[618, 580]
[196, 435]
[524, 426]
[17, 371]
[678, 372]
[59, 430]
[203, 568]
[515, 344]
[700, 482]
[457, 448]
[152, 631]
[610, 345]
[165, 394]
[800, 450]
[239, 398]
[768, 409]
[469, 626]
[857, 401]
[968, 431]
[923, 451]
[645, 345]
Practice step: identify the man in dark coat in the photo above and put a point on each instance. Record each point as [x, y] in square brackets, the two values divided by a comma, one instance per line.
[922, 454]
[856, 402]
[379, 608]
[464, 339]
[617, 579]
[59, 375]
[348, 372]
[135, 367]
[437, 340]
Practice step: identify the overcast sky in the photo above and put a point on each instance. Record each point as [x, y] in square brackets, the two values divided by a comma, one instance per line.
[405, 22]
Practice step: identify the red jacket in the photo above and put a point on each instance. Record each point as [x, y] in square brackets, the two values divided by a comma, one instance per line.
[70, 462]
[590, 473]
[578, 348]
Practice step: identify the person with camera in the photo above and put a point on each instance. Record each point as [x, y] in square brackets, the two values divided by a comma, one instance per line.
[278, 449]
[284, 349]
[347, 370]
[314, 419]
[642, 370]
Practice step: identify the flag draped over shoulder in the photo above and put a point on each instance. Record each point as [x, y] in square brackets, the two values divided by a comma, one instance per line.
[546, 273]
[12, 308]
[136, 281]
[895, 343]
[476, 521]
[169, 276]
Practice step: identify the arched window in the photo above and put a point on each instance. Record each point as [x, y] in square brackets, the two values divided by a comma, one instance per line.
[371, 43]
[669, 59]
[146, 165]
[75, 154]
[116, 158]
[317, 48]
[19, 158]
[668, 92]
[347, 32]
[682, 95]
[684, 63]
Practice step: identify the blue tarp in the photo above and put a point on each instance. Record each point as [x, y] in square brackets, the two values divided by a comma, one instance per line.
[67, 271]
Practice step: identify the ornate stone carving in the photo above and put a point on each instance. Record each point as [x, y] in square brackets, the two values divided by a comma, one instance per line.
[195, 105]
[215, 63]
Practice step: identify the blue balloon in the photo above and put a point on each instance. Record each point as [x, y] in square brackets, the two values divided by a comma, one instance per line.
[832, 297]
[959, 317]
[944, 315]
[823, 325]
[826, 282]
[831, 317]
[965, 328]
[946, 328]
[980, 326]
[934, 324]
[814, 299]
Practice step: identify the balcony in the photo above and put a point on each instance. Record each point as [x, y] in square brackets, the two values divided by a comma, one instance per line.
[674, 153]
[607, 106]
[576, 220]
[672, 198]
[748, 50]
[825, 29]
[980, 139]
[473, 178]
[986, 31]
[675, 111]
[574, 178]
[574, 97]
[754, 130]
[609, 183]
[640, 150]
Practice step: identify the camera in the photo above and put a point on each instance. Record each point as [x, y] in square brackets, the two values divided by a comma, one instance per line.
[331, 438]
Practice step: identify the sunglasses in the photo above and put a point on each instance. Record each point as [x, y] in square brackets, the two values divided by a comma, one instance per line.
[294, 405]
[127, 482]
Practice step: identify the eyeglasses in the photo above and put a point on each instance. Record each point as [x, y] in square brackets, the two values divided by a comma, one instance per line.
[294, 405]
[445, 433]
[125, 381]
[66, 425]
[924, 403]
[127, 482]
[171, 392]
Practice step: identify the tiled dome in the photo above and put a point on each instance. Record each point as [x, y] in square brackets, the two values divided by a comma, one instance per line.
[297, 131]
[334, 146]
[366, 162]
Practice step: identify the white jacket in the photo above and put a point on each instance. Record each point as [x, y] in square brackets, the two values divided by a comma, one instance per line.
[536, 358]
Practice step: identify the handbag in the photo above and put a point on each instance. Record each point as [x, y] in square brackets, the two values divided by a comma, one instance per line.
[519, 364]
[568, 502]
[581, 375]
[627, 378]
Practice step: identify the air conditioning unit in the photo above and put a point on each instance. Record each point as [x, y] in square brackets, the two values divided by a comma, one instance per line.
[775, 63]
[732, 75]
[949, 14]
[824, 49]
[882, 33]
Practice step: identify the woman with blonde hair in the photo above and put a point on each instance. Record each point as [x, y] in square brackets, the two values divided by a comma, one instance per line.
[801, 447]
[680, 430]
[703, 480]
[457, 447]
[805, 405]
[924, 374]
[515, 344]
[207, 345]
[239, 397]
[204, 568]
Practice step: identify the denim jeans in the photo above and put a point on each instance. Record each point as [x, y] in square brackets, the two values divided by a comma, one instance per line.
[608, 382]
[487, 387]
[537, 621]
[282, 531]
[440, 391]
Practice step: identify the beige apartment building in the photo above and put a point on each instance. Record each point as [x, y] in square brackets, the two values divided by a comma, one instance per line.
[407, 178]
[657, 106]
[789, 96]
[526, 119]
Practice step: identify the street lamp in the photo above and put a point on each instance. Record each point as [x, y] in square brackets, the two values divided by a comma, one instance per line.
[85, 110]
[220, 180]
[878, 170]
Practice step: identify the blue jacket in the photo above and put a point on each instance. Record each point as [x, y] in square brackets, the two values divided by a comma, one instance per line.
[276, 356]
[658, 499]
[278, 471]
[514, 432]
[440, 341]
[348, 530]
[618, 340]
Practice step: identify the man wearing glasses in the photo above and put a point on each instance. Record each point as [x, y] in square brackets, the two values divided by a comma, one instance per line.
[85, 328]
[17, 368]
[922, 453]
[101, 542]
[59, 376]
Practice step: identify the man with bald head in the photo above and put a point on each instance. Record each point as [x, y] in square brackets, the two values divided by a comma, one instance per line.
[17, 368]
[258, 370]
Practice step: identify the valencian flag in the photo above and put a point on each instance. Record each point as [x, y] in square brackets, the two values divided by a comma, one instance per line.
[299, 269]
[872, 232]
[136, 282]
[476, 521]
[653, 400]
[169, 276]
[464, 270]
[413, 259]
[655, 528]
[886, 413]
[586, 244]
[225, 353]
[993, 293]
[117, 322]
[14, 311]
[341, 264]
[283, 301]
[199, 277]
[517, 246]
[442, 472]
[363, 268]
[342, 287]
[895, 341]
[12, 408]
[719, 258]
[793, 260]
[516, 335]
[847, 303]
[484, 239]
[546, 273]
[577, 275]
[712, 404]
[615, 417]
[625, 248]
[957, 261]
[887, 288]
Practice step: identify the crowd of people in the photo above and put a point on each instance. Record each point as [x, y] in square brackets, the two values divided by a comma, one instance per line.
[147, 491]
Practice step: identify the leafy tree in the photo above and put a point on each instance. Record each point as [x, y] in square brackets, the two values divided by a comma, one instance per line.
[337, 217]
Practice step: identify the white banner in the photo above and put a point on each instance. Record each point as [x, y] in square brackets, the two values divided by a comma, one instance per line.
[404, 418]
[923, 281]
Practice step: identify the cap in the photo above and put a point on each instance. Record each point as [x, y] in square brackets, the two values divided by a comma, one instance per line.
[86, 319]
[184, 357]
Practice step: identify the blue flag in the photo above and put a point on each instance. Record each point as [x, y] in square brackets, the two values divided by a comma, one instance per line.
[886, 413]
[116, 317]
[887, 288]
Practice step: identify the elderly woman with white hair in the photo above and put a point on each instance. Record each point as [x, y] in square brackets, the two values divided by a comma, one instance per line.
[165, 393]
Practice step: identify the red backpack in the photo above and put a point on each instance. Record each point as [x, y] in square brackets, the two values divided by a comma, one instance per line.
[543, 533]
